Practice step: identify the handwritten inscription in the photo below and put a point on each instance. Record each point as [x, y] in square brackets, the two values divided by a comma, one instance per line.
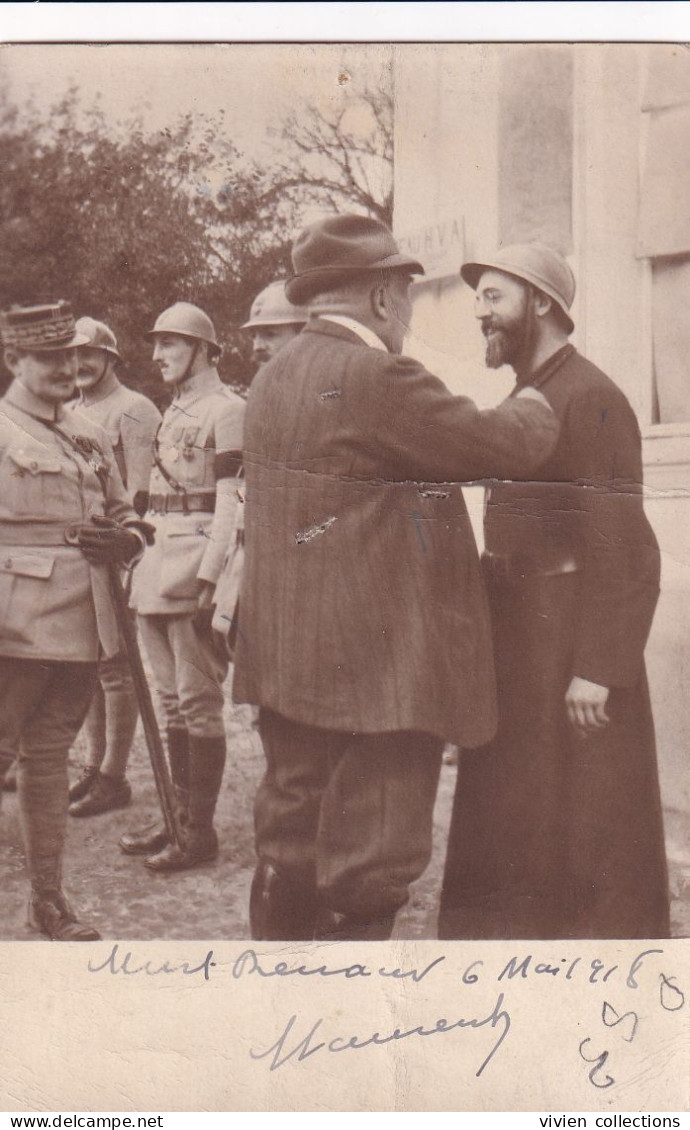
[284, 1049]
[301, 1037]
[117, 963]
[248, 963]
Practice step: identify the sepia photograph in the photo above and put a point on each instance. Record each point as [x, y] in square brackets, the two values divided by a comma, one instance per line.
[344, 544]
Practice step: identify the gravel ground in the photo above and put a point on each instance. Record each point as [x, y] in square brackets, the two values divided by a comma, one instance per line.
[124, 900]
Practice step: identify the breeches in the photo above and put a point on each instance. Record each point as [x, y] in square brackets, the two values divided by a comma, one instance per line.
[188, 672]
[42, 707]
[350, 813]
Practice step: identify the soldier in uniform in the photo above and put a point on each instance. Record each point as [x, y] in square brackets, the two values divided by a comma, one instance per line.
[197, 456]
[64, 519]
[131, 421]
[273, 322]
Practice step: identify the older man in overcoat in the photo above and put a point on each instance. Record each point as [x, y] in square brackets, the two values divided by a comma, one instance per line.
[363, 630]
[556, 829]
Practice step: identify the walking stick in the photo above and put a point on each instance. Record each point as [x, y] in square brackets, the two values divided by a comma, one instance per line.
[152, 734]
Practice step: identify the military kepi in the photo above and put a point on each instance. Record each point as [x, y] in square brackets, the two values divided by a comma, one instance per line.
[40, 328]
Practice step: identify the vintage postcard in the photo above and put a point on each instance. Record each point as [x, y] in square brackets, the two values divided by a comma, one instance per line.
[407, 645]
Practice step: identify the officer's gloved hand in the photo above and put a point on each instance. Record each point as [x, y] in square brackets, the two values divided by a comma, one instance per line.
[140, 502]
[105, 542]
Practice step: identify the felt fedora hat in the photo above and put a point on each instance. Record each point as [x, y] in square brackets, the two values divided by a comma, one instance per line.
[338, 248]
[535, 263]
[40, 328]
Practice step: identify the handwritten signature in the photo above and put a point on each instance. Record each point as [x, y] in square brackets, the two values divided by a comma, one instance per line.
[290, 1046]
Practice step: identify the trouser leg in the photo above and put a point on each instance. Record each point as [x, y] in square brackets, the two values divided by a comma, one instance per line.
[121, 714]
[94, 729]
[199, 676]
[42, 706]
[345, 819]
[375, 830]
[283, 902]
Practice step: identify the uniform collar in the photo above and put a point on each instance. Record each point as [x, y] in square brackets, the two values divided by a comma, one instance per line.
[21, 398]
[205, 381]
[363, 332]
[547, 368]
[105, 387]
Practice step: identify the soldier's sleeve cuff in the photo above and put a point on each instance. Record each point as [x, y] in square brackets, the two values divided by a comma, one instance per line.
[142, 534]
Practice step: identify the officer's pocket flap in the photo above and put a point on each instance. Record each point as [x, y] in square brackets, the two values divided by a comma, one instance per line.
[35, 462]
[27, 565]
[198, 527]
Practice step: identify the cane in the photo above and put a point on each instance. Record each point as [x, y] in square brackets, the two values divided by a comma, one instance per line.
[149, 721]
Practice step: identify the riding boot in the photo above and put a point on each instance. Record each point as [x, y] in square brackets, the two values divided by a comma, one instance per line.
[155, 836]
[206, 766]
[281, 909]
[332, 926]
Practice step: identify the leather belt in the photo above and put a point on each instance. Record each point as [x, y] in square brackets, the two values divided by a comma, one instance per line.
[511, 568]
[183, 503]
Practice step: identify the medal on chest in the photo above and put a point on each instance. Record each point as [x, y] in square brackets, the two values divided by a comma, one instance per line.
[92, 453]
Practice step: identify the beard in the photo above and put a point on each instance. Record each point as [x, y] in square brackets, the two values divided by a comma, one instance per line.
[512, 341]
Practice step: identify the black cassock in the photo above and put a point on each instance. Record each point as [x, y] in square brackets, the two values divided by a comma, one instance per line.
[553, 835]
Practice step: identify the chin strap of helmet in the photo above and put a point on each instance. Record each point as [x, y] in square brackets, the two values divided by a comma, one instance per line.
[192, 358]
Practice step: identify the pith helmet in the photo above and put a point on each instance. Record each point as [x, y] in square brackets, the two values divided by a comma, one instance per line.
[40, 328]
[339, 247]
[271, 308]
[535, 263]
[98, 335]
[188, 320]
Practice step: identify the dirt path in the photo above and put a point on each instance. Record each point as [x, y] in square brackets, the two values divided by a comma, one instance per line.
[125, 901]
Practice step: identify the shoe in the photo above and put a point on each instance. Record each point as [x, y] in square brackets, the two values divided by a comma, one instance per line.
[195, 850]
[51, 913]
[83, 782]
[281, 909]
[148, 840]
[9, 781]
[104, 795]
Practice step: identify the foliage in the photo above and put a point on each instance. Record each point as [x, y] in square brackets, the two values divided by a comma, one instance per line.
[124, 223]
[342, 158]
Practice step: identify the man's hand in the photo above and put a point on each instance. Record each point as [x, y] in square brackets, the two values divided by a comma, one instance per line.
[586, 706]
[203, 616]
[105, 542]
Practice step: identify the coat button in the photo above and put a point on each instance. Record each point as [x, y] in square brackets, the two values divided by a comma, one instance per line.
[34, 465]
[8, 563]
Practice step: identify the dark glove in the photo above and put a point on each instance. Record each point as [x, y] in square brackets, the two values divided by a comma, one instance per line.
[106, 542]
[140, 502]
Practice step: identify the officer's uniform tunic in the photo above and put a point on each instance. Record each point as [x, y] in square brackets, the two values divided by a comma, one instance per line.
[131, 421]
[56, 614]
[198, 447]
